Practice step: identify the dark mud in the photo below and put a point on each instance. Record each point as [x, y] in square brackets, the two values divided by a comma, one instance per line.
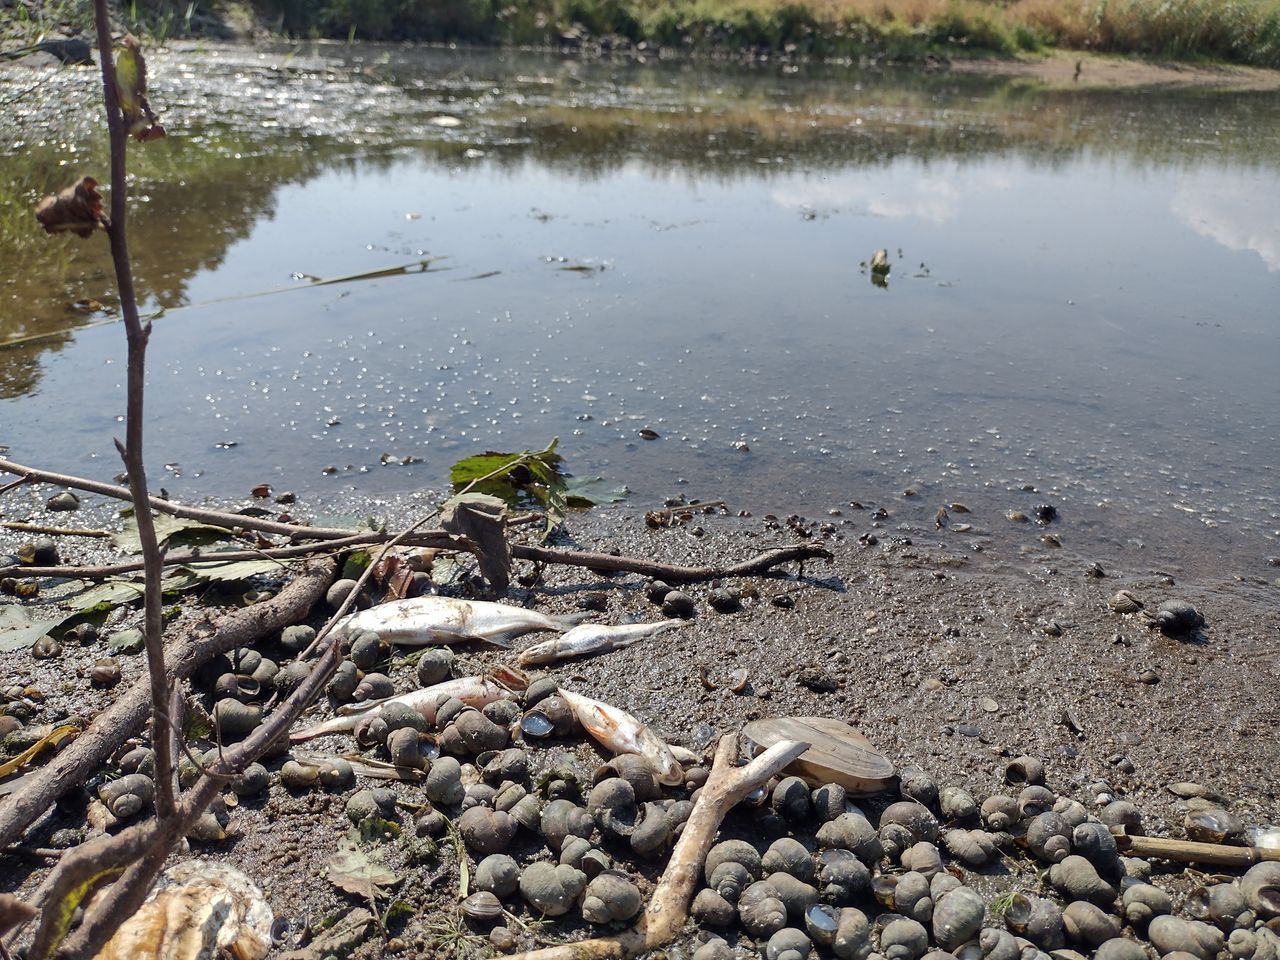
[912, 635]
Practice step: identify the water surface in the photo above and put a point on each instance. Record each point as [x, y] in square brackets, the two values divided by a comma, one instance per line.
[1083, 296]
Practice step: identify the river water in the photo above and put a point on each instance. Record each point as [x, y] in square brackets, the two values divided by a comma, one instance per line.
[1083, 305]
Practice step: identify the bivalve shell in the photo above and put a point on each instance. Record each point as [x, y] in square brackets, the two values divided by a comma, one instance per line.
[482, 907]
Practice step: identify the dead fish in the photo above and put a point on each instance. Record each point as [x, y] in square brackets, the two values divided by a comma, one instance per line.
[474, 691]
[420, 621]
[591, 638]
[620, 732]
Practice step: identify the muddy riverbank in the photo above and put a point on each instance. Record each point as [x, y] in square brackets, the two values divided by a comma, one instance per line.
[950, 658]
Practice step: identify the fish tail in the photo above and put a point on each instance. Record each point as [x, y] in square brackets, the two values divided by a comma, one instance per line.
[564, 621]
[336, 725]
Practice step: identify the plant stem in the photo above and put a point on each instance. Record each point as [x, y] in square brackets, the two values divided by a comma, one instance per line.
[131, 452]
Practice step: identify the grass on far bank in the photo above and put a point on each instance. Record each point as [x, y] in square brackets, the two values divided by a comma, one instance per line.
[1235, 31]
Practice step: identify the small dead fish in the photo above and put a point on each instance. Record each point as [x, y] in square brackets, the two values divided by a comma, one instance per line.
[474, 691]
[620, 732]
[420, 621]
[592, 638]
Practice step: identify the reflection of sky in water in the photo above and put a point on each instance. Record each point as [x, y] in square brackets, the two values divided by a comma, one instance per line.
[1241, 212]
[1085, 324]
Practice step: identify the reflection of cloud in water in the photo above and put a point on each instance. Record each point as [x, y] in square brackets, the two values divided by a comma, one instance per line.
[933, 198]
[1241, 214]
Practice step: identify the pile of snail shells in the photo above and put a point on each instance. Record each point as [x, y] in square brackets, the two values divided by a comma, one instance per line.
[888, 888]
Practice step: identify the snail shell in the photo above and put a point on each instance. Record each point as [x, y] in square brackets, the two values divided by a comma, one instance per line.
[634, 769]
[1073, 811]
[127, 795]
[760, 910]
[510, 764]
[998, 944]
[241, 686]
[610, 898]
[405, 747]
[345, 680]
[796, 895]
[291, 675]
[914, 816]
[1087, 925]
[1143, 901]
[374, 686]
[444, 782]
[1122, 813]
[562, 819]
[252, 781]
[499, 874]
[1221, 904]
[551, 889]
[653, 832]
[1000, 812]
[528, 812]
[913, 898]
[236, 719]
[788, 855]
[895, 840]
[790, 800]
[957, 805]
[957, 917]
[1076, 877]
[298, 776]
[915, 784]
[1169, 934]
[486, 831]
[1024, 770]
[789, 943]
[613, 803]
[852, 940]
[904, 939]
[853, 831]
[1035, 800]
[1261, 888]
[1049, 837]
[435, 666]
[730, 878]
[367, 649]
[829, 801]
[337, 774]
[712, 910]
[924, 858]
[736, 851]
[1036, 919]
[1094, 842]
[973, 848]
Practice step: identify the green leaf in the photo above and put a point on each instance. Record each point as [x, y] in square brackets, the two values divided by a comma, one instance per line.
[191, 575]
[583, 492]
[21, 627]
[355, 564]
[173, 531]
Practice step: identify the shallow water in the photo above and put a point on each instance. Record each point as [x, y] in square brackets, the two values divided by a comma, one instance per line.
[1083, 296]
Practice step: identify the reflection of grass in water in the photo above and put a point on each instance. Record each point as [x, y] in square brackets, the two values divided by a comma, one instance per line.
[1245, 31]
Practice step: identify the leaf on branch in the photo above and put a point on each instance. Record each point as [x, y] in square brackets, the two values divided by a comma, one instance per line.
[76, 209]
[131, 89]
[190, 575]
[170, 531]
[482, 519]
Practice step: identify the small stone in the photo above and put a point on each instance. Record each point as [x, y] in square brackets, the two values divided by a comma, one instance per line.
[297, 637]
[337, 593]
[502, 939]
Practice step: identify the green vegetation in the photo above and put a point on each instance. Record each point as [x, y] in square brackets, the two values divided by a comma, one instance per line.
[1238, 31]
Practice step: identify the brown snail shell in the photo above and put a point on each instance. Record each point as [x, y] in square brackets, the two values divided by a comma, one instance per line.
[1024, 770]
[1087, 925]
[298, 776]
[788, 855]
[914, 816]
[712, 910]
[373, 686]
[486, 831]
[736, 851]
[1142, 901]
[853, 831]
[241, 686]
[957, 805]
[1261, 888]
[236, 719]
[842, 877]
[1077, 877]
[1169, 934]
[1035, 800]
[973, 848]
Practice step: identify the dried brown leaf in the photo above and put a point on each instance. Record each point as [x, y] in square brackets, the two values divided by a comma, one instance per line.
[76, 209]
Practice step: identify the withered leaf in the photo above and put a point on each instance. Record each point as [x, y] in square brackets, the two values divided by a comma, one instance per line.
[131, 88]
[351, 869]
[76, 209]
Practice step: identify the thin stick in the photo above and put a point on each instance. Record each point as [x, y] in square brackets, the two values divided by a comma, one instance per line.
[672, 573]
[55, 531]
[668, 910]
[324, 547]
[1189, 851]
[219, 518]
